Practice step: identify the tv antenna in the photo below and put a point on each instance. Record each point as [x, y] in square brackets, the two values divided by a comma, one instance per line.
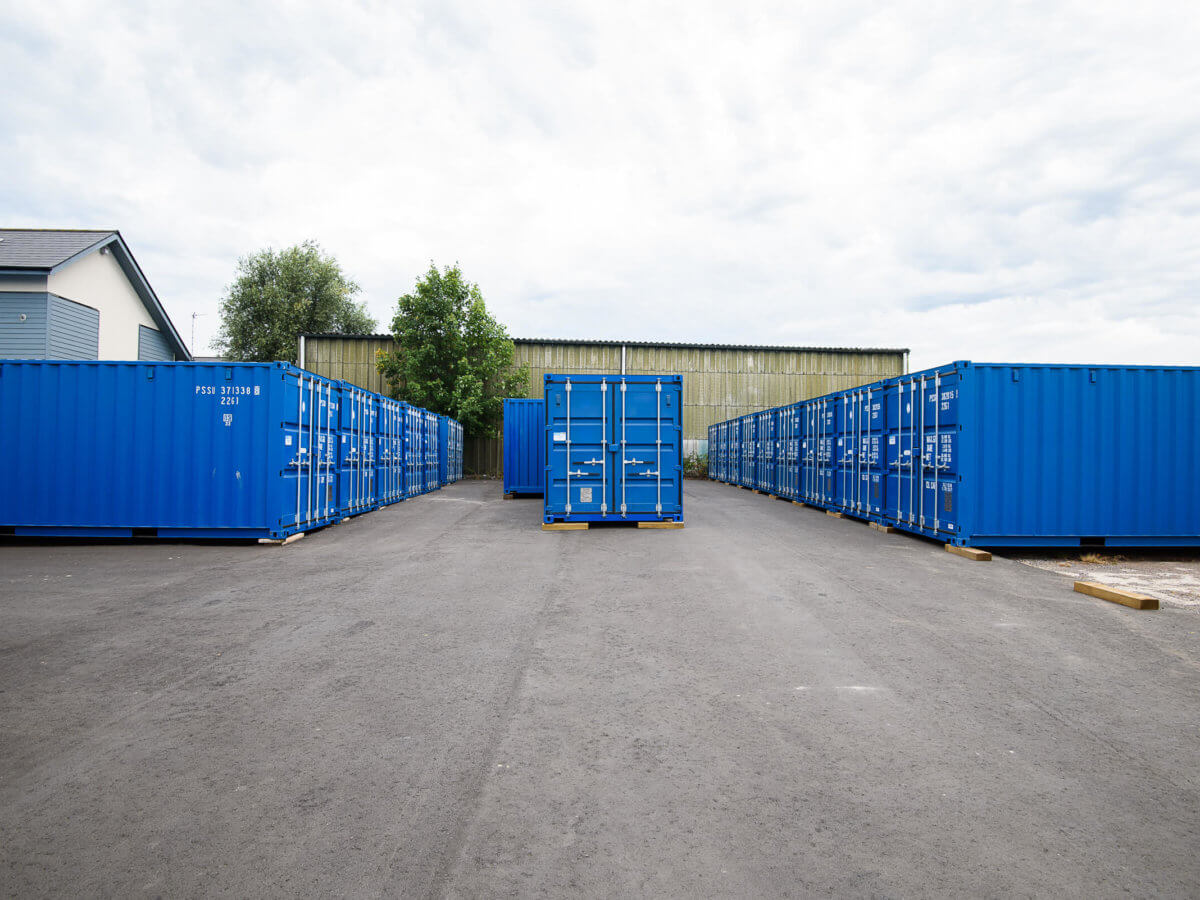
[195, 315]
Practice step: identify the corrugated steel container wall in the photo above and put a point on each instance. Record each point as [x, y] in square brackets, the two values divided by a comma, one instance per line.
[524, 446]
[749, 469]
[432, 453]
[359, 422]
[443, 450]
[1050, 454]
[234, 450]
[614, 448]
[390, 451]
[414, 450]
[456, 451]
[999, 455]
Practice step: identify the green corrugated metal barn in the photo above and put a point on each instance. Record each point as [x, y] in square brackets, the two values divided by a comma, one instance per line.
[720, 381]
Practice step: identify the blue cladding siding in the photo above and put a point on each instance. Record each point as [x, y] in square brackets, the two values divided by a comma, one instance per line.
[23, 340]
[524, 446]
[74, 330]
[153, 346]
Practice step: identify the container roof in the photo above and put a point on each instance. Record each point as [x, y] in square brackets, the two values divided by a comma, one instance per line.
[45, 248]
[675, 345]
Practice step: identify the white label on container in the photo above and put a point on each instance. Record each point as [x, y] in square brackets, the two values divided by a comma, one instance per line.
[585, 495]
[891, 440]
[560, 435]
[287, 440]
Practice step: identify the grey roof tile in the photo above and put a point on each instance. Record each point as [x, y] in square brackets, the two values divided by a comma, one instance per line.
[44, 248]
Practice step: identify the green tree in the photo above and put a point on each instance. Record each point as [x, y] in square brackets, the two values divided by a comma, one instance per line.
[278, 296]
[451, 356]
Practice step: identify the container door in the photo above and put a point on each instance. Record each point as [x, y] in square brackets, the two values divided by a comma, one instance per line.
[807, 451]
[924, 454]
[870, 475]
[327, 448]
[645, 431]
[793, 461]
[366, 443]
[351, 455]
[433, 452]
[750, 457]
[940, 450]
[305, 441]
[581, 457]
[766, 468]
[872, 438]
[416, 451]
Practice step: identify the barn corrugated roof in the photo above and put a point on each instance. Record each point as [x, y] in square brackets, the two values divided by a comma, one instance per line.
[672, 345]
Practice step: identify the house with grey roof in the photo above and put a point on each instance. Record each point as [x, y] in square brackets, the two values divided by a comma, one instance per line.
[70, 294]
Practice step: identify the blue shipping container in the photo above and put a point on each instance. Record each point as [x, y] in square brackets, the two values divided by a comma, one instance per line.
[1001, 455]
[613, 448]
[197, 450]
[186, 450]
[524, 446]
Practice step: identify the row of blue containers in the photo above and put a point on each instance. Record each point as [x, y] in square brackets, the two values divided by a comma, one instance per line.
[989, 455]
[206, 450]
[613, 448]
[524, 446]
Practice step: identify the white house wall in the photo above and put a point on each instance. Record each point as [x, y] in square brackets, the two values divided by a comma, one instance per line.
[97, 281]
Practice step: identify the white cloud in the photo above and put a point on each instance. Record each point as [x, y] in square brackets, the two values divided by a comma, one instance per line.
[1007, 181]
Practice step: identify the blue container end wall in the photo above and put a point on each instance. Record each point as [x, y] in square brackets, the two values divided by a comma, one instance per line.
[613, 448]
[524, 446]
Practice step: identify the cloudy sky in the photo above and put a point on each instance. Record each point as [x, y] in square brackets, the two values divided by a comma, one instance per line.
[998, 181]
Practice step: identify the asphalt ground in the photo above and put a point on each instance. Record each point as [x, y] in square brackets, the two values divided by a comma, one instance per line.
[439, 699]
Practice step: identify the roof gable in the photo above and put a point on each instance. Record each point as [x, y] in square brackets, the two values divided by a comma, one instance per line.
[43, 249]
[48, 249]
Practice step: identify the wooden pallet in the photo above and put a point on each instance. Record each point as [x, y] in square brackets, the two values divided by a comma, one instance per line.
[886, 529]
[584, 526]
